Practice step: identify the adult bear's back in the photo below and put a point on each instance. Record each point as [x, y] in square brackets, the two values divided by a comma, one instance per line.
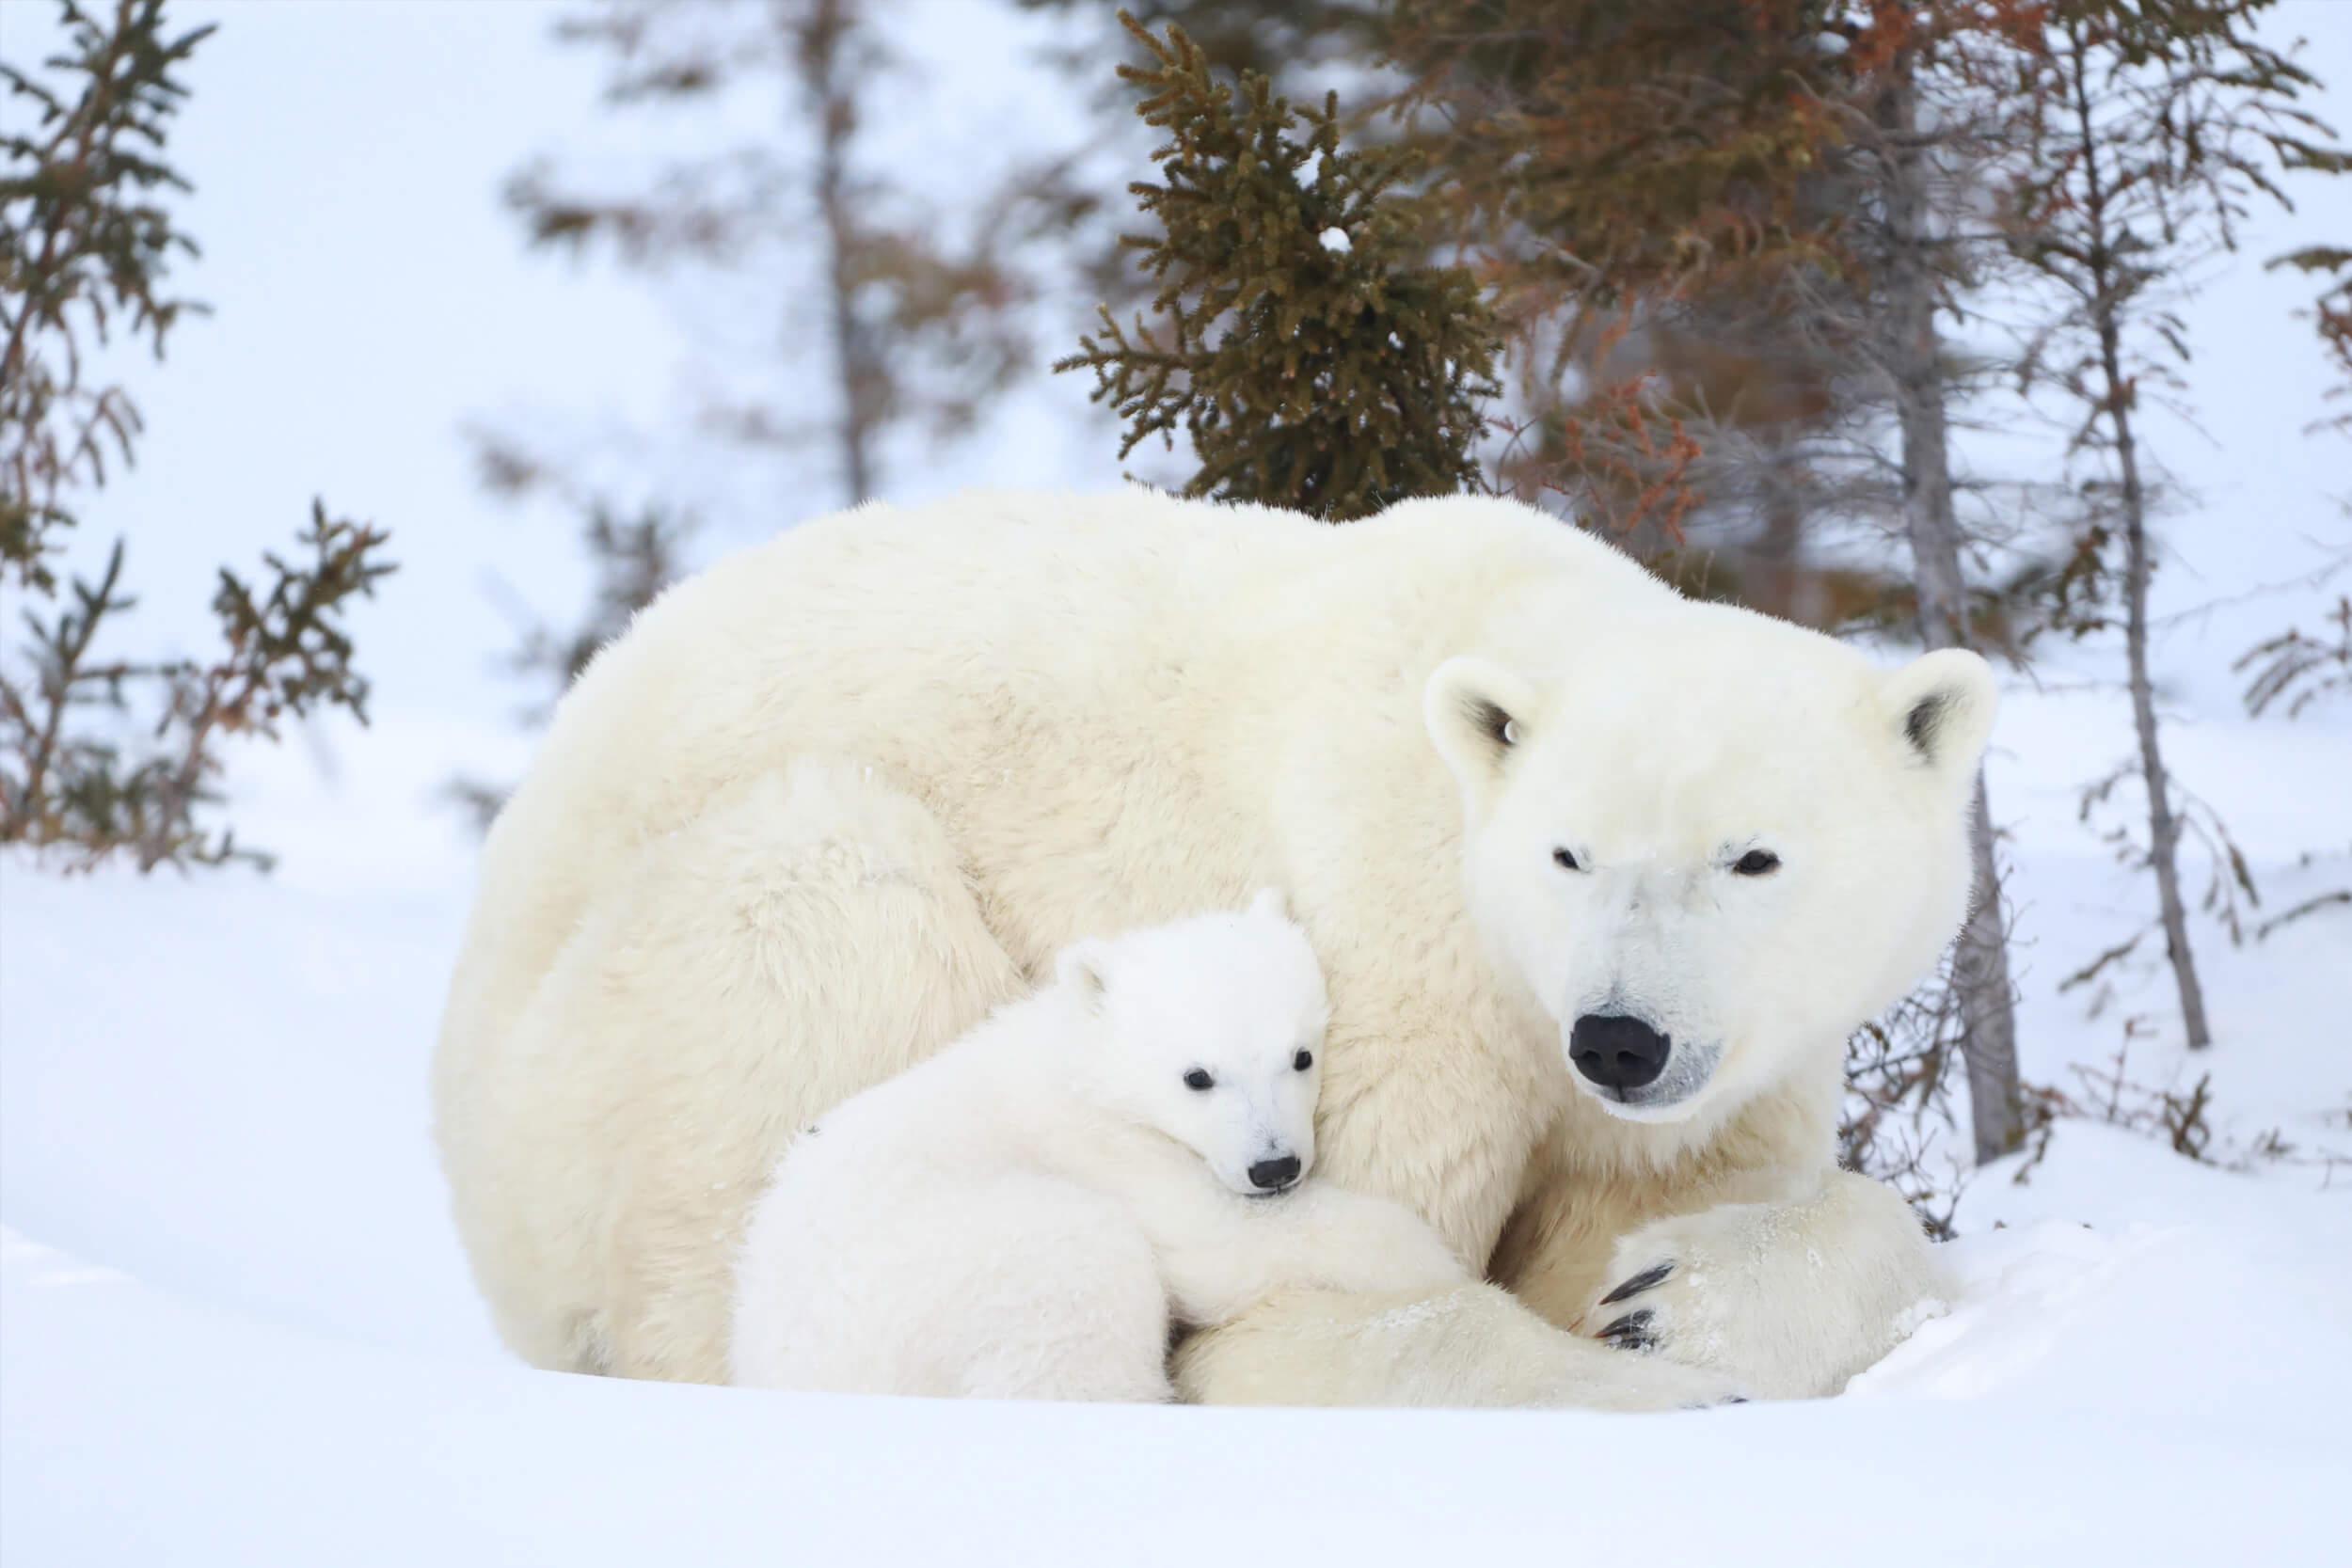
[989, 614]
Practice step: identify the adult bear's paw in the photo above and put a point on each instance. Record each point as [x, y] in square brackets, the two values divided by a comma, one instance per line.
[1789, 1299]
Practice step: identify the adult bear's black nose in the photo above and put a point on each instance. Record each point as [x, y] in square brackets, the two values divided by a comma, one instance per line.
[1618, 1052]
[1274, 1175]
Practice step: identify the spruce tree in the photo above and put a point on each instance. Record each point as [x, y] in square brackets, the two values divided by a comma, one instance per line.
[102, 756]
[902, 330]
[1305, 347]
[912, 332]
[2147, 129]
[2330, 315]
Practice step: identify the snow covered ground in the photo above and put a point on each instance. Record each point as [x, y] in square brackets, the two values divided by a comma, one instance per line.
[2151, 1395]
[235, 1326]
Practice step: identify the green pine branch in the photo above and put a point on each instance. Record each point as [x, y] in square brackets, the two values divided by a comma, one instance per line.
[1301, 343]
[100, 757]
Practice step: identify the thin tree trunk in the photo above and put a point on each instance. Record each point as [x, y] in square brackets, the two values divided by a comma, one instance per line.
[832, 101]
[1780, 541]
[1910, 355]
[1988, 1011]
[2163, 829]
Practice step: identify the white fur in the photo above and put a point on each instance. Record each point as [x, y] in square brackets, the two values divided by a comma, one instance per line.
[827, 804]
[1014, 1217]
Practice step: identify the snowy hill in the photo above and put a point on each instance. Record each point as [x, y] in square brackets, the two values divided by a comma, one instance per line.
[235, 1326]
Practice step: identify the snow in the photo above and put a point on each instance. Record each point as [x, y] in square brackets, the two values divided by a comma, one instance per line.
[2279, 1005]
[1335, 240]
[145, 1425]
[235, 1326]
[2213, 1293]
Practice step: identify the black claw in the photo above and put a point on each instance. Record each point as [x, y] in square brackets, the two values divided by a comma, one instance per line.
[1632, 1332]
[1639, 1283]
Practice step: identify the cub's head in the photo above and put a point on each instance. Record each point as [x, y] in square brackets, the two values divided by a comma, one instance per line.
[1713, 846]
[1210, 1030]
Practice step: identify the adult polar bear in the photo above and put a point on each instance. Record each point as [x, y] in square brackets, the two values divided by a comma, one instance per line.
[824, 805]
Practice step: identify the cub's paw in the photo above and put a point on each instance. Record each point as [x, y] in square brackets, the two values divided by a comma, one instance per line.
[1649, 1384]
[1371, 1246]
[1406, 1255]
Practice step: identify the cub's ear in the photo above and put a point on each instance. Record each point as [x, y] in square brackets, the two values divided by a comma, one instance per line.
[1476, 711]
[1084, 967]
[1269, 905]
[1940, 708]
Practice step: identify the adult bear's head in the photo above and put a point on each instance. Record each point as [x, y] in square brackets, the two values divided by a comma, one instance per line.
[1714, 844]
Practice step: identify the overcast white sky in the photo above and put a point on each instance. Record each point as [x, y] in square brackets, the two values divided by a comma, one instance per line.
[371, 298]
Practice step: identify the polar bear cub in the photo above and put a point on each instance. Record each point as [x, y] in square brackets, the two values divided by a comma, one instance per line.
[1022, 1215]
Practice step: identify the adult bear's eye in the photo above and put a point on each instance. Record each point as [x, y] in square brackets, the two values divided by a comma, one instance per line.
[1756, 862]
[1197, 1079]
[1304, 1060]
[1565, 861]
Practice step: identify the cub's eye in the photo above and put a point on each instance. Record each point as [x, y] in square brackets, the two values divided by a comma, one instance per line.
[1565, 861]
[1757, 863]
[1197, 1079]
[1304, 1060]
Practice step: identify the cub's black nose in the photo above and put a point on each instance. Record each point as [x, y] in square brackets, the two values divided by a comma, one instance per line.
[1275, 1175]
[1618, 1052]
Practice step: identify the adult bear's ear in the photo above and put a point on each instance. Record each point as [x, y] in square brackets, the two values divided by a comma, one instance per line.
[1940, 709]
[1084, 967]
[1477, 712]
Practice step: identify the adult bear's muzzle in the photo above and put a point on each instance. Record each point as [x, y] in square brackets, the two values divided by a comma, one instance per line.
[1617, 1051]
